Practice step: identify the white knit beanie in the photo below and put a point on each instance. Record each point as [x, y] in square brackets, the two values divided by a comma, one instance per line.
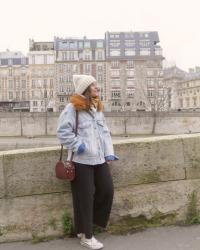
[81, 82]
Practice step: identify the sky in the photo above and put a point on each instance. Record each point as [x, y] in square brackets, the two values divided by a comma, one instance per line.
[177, 23]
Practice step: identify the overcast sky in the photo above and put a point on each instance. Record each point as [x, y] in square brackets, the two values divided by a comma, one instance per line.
[177, 22]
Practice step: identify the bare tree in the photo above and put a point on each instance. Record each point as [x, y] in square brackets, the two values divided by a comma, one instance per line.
[156, 95]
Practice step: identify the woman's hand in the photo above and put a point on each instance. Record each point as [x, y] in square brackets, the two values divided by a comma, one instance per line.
[111, 158]
[81, 148]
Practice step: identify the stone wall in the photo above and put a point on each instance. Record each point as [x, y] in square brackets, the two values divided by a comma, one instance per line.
[154, 175]
[33, 124]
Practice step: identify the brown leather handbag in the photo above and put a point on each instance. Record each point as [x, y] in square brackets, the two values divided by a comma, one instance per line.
[65, 170]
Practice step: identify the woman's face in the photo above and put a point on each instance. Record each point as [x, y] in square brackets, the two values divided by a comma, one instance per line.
[94, 90]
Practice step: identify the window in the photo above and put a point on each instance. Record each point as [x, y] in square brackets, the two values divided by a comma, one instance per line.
[187, 101]
[115, 82]
[114, 35]
[144, 43]
[100, 78]
[61, 79]
[130, 82]
[99, 44]
[68, 90]
[87, 68]
[64, 56]
[100, 55]
[130, 72]
[150, 72]
[45, 59]
[35, 103]
[71, 55]
[115, 52]
[10, 72]
[10, 95]
[160, 91]
[195, 101]
[114, 43]
[17, 95]
[100, 67]
[10, 84]
[116, 104]
[130, 92]
[68, 67]
[61, 89]
[87, 55]
[72, 45]
[80, 45]
[181, 103]
[51, 83]
[23, 84]
[115, 73]
[114, 64]
[33, 59]
[129, 35]
[116, 94]
[160, 82]
[33, 93]
[68, 78]
[150, 82]
[61, 98]
[45, 93]
[23, 95]
[150, 92]
[17, 83]
[129, 52]
[129, 43]
[158, 51]
[86, 44]
[145, 52]
[130, 64]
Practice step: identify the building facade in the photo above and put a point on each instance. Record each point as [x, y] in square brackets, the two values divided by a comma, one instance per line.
[14, 82]
[127, 66]
[78, 56]
[173, 76]
[42, 76]
[188, 91]
[134, 71]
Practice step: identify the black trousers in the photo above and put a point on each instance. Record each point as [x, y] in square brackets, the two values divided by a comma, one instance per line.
[92, 194]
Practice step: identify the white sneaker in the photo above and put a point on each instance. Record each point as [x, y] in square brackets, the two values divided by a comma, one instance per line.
[80, 235]
[92, 243]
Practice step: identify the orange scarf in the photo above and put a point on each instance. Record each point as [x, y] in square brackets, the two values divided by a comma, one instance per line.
[80, 102]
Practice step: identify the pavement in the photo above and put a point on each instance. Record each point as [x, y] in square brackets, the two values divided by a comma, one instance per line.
[164, 238]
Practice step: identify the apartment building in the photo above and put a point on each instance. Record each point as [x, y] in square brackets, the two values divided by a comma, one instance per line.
[42, 76]
[14, 81]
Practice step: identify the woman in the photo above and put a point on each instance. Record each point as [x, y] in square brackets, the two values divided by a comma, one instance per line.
[92, 188]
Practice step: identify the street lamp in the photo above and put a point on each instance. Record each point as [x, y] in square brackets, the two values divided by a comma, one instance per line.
[125, 119]
[45, 96]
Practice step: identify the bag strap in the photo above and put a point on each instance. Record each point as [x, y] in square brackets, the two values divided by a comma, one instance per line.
[90, 113]
[76, 131]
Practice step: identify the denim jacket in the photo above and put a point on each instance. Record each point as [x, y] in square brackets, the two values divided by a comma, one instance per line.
[93, 131]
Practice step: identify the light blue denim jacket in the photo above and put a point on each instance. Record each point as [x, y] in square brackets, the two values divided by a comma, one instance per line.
[92, 131]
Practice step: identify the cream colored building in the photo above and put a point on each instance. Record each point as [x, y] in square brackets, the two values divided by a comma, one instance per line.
[183, 88]
[42, 76]
[78, 56]
[173, 76]
[188, 94]
[14, 81]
